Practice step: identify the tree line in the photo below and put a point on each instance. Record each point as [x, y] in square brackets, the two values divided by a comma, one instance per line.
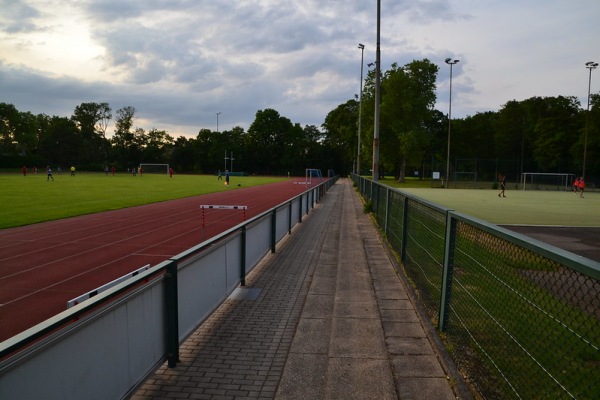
[540, 134]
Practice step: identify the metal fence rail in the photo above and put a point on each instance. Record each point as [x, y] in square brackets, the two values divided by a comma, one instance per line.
[520, 318]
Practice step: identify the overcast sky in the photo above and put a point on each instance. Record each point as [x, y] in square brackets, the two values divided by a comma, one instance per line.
[179, 62]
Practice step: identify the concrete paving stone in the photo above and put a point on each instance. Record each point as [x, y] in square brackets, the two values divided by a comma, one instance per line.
[362, 379]
[395, 304]
[357, 337]
[322, 285]
[356, 308]
[408, 345]
[391, 294]
[403, 329]
[312, 336]
[303, 377]
[318, 306]
[418, 365]
[399, 316]
[424, 389]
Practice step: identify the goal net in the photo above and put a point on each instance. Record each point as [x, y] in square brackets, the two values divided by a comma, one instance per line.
[546, 181]
[155, 168]
[313, 175]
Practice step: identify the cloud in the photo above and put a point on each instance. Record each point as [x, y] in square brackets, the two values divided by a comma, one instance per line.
[178, 62]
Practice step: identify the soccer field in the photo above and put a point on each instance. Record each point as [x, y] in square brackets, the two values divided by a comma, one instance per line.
[547, 208]
[31, 199]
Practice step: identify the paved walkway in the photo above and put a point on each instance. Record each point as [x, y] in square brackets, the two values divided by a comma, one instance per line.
[325, 317]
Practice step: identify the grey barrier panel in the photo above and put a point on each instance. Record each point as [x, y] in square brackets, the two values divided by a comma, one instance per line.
[282, 223]
[204, 281]
[97, 357]
[258, 241]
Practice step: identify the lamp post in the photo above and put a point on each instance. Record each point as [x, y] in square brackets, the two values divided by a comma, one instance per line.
[450, 62]
[377, 96]
[362, 50]
[589, 65]
[218, 121]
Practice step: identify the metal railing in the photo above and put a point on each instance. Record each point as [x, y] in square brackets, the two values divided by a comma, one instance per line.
[519, 317]
[104, 347]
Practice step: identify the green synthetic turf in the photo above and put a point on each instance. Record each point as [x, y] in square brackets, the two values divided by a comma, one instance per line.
[31, 199]
[550, 208]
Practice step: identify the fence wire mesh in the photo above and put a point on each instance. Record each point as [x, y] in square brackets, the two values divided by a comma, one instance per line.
[521, 323]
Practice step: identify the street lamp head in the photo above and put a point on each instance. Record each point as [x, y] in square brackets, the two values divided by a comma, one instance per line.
[361, 46]
[370, 65]
[591, 65]
[450, 61]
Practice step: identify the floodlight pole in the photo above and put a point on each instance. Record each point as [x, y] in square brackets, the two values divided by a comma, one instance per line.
[591, 65]
[231, 170]
[362, 50]
[218, 121]
[450, 62]
[226, 158]
[377, 96]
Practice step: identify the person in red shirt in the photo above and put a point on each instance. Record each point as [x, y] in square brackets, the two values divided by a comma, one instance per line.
[576, 185]
[24, 170]
[581, 186]
[170, 172]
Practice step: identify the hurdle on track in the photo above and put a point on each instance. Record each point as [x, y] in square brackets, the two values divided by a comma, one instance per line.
[222, 207]
[92, 293]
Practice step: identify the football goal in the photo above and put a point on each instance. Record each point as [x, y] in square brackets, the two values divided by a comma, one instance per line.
[546, 181]
[315, 174]
[155, 168]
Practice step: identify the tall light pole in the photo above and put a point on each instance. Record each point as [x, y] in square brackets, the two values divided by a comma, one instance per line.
[589, 65]
[218, 121]
[450, 62]
[377, 96]
[362, 55]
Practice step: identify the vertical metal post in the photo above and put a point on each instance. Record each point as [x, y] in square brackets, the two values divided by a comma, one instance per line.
[449, 244]
[273, 229]
[387, 210]
[290, 218]
[405, 215]
[243, 256]
[172, 315]
[300, 208]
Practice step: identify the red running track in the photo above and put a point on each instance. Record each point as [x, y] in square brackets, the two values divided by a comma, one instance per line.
[43, 266]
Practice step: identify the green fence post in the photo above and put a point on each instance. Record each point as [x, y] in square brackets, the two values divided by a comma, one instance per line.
[387, 210]
[449, 244]
[404, 229]
[172, 315]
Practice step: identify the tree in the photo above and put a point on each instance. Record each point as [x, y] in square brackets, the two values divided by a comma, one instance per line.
[341, 135]
[267, 140]
[407, 100]
[92, 120]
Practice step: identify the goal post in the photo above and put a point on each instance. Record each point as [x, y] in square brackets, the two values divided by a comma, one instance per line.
[313, 173]
[152, 168]
[546, 181]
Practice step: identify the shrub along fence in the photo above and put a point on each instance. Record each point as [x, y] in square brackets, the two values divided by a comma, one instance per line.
[519, 317]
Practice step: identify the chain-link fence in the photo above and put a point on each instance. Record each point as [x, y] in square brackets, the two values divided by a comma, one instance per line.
[520, 319]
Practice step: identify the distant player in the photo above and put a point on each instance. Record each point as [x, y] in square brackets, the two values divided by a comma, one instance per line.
[576, 185]
[581, 186]
[170, 172]
[72, 170]
[24, 170]
[49, 172]
[227, 177]
[502, 180]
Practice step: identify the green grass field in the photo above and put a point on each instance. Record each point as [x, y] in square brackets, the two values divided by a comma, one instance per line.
[549, 208]
[31, 199]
